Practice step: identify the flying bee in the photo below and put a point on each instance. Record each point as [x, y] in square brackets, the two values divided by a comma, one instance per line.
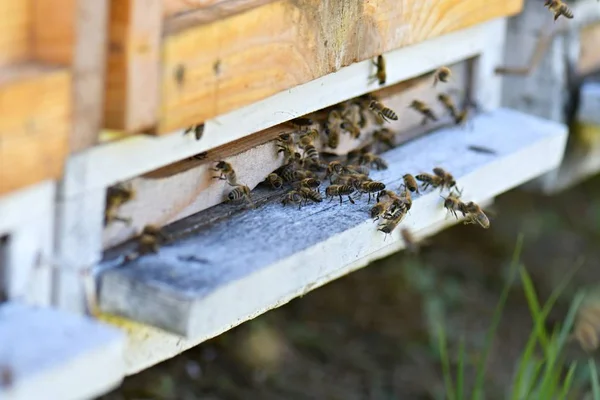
[350, 127]
[380, 75]
[424, 110]
[448, 180]
[275, 181]
[586, 329]
[293, 197]
[559, 8]
[410, 183]
[311, 183]
[411, 244]
[476, 215]
[116, 196]
[370, 187]
[429, 180]
[382, 111]
[373, 161]
[385, 137]
[442, 74]
[448, 104]
[310, 194]
[239, 194]
[226, 172]
[310, 151]
[339, 190]
[453, 204]
[197, 129]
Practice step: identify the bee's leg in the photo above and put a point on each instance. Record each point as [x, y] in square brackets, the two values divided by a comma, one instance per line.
[340, 199]
[351, 200]
[369, 202]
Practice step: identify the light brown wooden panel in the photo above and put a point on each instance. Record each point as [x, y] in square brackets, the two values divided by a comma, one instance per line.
[182, 189]
[214, 68]
[15, 25]
[131, 101]
[73, 33]
[589, 56]
[209, 10]
[34, 124]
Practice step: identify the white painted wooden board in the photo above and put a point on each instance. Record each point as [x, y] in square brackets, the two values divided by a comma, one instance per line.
[259, 259]
[54, 355]
[107, 164]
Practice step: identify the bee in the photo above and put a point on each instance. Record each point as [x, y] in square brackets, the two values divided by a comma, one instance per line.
[334, 168]
[429, 180]
[357, 169]
[410, 183]
[462, 117]
[371, 187]
[423, 109]
[448, 104]
[313, 134]
[400, 203]
[333, 138]
[339, 190]
[380, 75]
[379, 209]
[275, 181]
[311, 183]
[382, 111]
[353, 179]
[239, 194]
[388, 195]
[200, 156]
[355, 154]
[412, 246]
[390, 224]
[362, 104]
[302, 122]
[373, 161]
[150, 239]
[448, 180]
[293, 197]
[116, 196]
[303, 174]
[285, 145]
[310, 194]
[453, 204]
[482, 149]
[197, 129]
[476, 215]
[226, 172]
[332, 129]
[559, 8]
[384, 136]
[587, 325]
[350, 127]
[309, 148]
[6, 376]
[442, 74]
[288, 171]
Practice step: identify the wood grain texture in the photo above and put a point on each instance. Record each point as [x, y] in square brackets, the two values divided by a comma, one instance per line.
[589, 56]
[73, 349]
[133, 65]
[286, 43]
[202, 11]
[73, 33]
[15, 31]
[182, 189]
[228, 270]
[35, 123]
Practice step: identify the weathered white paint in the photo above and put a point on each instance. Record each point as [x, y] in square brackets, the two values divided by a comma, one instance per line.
[56, 355]
[487, 85]
[27, 216]
[244, 269]
[104, 165]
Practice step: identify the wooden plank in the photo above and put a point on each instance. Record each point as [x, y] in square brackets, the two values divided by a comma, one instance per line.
[15, 31]
[74, 33]
[589, 57]
[204, 296]
[132, 91]
[199, 81]
[73, 349]
[203, 11]
[110, 163]
[34, 126]
[183, 189]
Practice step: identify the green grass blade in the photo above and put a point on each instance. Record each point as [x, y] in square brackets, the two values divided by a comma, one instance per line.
[594, 378]
[568, 382]
[534, 308]
[460, 378]
[481, 365]
[443, 349]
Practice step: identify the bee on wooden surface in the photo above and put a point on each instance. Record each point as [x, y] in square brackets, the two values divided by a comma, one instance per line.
[387, 195]
[442, 74]
[339, 190]
[476, 215]
[311, 183]
[448, 180]
[373, 161]
[411, 244]
[379, 209]
[385, 137]
[226, 172]
[424, 110]
[293, 197]
[559, 8]
[382, 111]
[6, 376]
[390, 224]
[448, 104]
[150, 239]
[370, 187]
[301, 174]
[289, 170]
[275, 181]
[350, 127]
[586, 329]
[453, 204]
[334, 168]
[197, 129]
[380, 75]
[311, 194]
[310, 151]
[353, 179]
[429, 180]
[116, 196]
[410, 183]
[239, 194]
[399, 203]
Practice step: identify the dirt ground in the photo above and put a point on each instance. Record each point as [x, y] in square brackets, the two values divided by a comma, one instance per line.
[369, 335]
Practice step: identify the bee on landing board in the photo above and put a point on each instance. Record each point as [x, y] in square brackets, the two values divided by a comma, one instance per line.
[559, 8]
[442, 74]
[423, 109]
[447, 180]
[226, 172]
[239, 194]
[339, 190]
[410, 183]
[429, 180]
[293, 197]
[370, 187]
[392, 222]
[309, 149]
[380, 75]
[274, 180]
[197, 129]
